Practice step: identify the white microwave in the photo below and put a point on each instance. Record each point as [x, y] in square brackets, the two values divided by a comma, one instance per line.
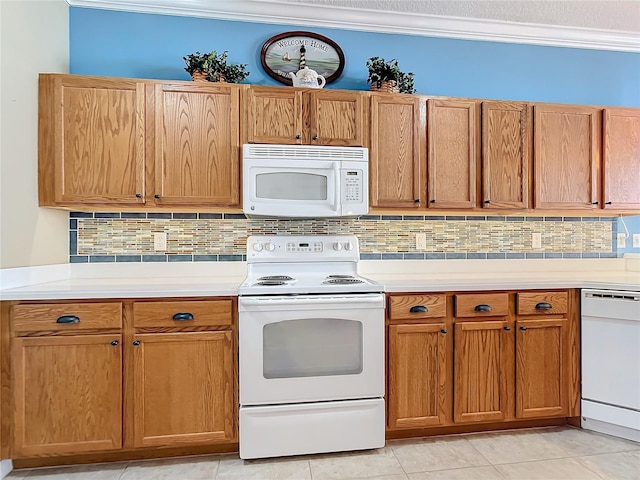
[304, 181]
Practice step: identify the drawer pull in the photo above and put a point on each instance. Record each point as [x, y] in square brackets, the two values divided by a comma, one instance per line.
[178, 317]
[507, 328]
[483, 308]
[68, 319]
[136, 343]
[444, 330]
[543, 306]
[115, 343]
[418, 309]
[523, 328]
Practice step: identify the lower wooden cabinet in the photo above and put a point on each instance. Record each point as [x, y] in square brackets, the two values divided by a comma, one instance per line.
[418, 369]
[505, 357]
[183, 388]
[91, 377]
[67, 393]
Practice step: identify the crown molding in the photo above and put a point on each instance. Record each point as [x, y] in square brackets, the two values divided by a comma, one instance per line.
[279, 12]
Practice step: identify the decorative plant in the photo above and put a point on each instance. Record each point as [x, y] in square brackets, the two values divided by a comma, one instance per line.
[383, 71]
[216, 67]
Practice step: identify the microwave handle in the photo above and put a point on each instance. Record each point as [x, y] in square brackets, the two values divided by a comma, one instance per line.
[337, 190]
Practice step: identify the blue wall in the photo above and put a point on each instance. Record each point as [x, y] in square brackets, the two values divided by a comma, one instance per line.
[111, 43]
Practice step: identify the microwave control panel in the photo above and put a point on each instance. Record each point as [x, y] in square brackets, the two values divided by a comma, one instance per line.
[352, 181]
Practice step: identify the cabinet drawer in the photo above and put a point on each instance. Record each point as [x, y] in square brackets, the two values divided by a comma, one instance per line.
[408, 307]
[67, 316]
[541, 303]
[183, 314]
[482, 305]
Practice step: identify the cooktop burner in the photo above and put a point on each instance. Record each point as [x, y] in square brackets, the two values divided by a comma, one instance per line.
[343, 281]
[339, 276]
[266, 283]
[283, 278]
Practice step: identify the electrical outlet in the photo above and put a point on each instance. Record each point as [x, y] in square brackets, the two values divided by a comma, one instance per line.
[421, 241]
[160, 242]
[622, 240]
[636, 240]
[536, 240]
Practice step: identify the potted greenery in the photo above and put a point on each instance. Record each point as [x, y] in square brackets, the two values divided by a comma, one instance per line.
[387, 76]
[214, 68]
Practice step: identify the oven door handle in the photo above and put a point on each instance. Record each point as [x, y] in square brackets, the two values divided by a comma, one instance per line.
[319, 300]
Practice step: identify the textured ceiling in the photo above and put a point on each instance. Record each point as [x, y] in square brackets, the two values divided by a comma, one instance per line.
[623, 15]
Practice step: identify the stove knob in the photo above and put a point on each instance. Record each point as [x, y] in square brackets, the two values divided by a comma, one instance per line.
[348, 246]
[337, 246]
[257, 247]
[269, 247]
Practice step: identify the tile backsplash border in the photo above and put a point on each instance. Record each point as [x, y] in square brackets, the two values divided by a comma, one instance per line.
[106, 237]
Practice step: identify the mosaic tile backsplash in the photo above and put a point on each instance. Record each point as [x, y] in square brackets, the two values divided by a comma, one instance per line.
[128, 237]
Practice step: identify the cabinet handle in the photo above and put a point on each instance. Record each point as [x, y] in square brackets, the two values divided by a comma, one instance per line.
[418, 309]
[487, 201]
[444, 330]
[508, 329]
[136, 343]
[417, 200]
[483, 308]
[595, 203]
[607, 203]
[68, 319]
[543, 306]
[298, 137]
[156, 196]
[178, 317]
[432, 201]
[523, 328]
[138, 195]
[115, 343]
[315, 137]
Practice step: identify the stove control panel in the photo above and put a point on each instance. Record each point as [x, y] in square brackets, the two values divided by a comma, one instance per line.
[301, 248]
[293, 247]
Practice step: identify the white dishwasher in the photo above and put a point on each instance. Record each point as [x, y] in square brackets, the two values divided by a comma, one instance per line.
[611, 362]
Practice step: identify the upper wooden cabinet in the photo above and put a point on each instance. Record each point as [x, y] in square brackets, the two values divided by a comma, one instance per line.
[621, 158]
[298, 116]
[506, 147]
[566, 157]
[90, 141]
[452, 143]
[196, 147]
[396, 155]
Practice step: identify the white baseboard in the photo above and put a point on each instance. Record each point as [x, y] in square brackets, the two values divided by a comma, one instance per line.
[5, 467]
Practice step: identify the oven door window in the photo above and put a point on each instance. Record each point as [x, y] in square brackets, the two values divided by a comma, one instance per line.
[313, 347]
[291, 186]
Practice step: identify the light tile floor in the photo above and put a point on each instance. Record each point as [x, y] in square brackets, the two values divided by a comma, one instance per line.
[558, 453]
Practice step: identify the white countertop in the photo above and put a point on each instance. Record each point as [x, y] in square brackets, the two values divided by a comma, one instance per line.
[196, 279]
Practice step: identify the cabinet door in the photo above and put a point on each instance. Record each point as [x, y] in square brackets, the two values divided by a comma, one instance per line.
[67, 394]
[183, 389]
[394, 158]
[621, 159]
[452, 153]
[91, 141]
[274, 115]
[483, 360]
[417, 375]
[506, 144]
[566, 157]
[336, 118]
[541, 368]
[197, 145]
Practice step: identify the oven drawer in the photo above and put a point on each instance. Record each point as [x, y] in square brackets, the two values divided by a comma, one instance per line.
[482, 305]
[66, 316]
[183, 314]
[541, 303]
[415, 307]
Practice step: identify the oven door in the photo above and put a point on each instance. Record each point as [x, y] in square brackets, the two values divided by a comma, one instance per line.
[309, 348]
